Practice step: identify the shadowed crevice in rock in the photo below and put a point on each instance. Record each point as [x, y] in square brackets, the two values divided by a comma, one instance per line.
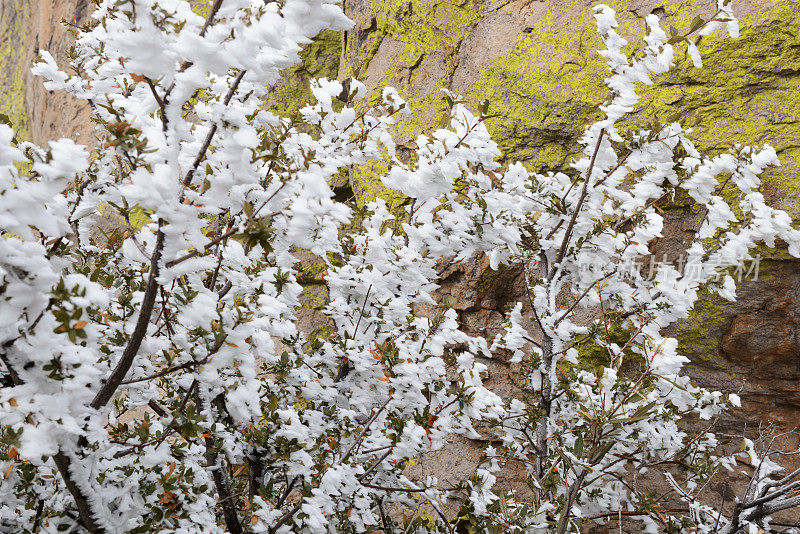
[481, 295]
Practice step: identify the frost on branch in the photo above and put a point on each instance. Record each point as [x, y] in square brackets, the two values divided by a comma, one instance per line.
[595, 429]
[156, 379]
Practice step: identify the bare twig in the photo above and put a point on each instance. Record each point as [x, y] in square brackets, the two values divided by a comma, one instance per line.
[568, 232]
[582, 295]
[363, 433]
[204, 148]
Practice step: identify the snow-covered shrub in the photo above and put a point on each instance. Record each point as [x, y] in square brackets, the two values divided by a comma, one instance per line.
[155, 378]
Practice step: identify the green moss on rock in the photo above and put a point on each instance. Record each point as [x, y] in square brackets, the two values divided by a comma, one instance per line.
[546, 90]
[695, 335]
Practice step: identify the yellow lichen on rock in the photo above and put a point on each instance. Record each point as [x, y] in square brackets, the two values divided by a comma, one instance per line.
[14, 58]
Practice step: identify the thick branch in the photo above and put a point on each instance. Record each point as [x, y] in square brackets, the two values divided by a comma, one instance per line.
[81, 502]
[221, 481]
[766, 505]
[132, 348]
[223, 489]
[572, 493]
[63, 464]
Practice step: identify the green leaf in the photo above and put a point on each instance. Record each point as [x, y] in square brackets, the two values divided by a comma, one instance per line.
[639, 415]
[579, 446]
[602, 452]
[248, 209]
[696, 24]
[449, 100]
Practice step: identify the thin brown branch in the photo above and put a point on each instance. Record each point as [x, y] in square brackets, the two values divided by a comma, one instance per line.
[402, 490]
[132, 348]
[162, 105]
[192, 254]
[286, 517]
[580, 298]
[568, 232]
[376, 464]
[165, 372]
[210, 18]
[207, 143]
[633, 513]
[363, 432]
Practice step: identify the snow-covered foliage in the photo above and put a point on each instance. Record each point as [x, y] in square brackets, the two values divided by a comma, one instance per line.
[606, 395]
[156, 379]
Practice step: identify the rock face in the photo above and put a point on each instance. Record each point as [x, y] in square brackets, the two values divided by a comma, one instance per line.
[25, 28]
[759, 344]
[535, 62]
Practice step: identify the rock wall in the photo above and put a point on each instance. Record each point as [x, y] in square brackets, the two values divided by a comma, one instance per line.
[27, 26]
